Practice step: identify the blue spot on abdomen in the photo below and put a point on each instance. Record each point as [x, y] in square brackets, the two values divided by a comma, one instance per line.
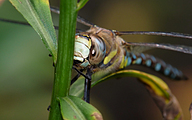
[158, 67]
[138, 61]
[148, 63]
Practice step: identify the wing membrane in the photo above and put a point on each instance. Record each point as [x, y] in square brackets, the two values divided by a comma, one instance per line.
[178, 48]
[136, 47]
[158, 33]
[140, 49]
[79, 19]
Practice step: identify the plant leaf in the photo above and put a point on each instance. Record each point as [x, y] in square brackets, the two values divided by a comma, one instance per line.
[75, 108]
[81, 4]
[77, 87]
[157, 88]
[164, 99]
[37, 13]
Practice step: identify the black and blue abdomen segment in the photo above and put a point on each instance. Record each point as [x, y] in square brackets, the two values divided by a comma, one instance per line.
[157, 64]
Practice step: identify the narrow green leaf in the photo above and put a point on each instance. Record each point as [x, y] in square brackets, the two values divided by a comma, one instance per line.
[74, 108]
[157, 88]
[81, 4]
[167, 103]
[37, 13]
[158, 85]
[77, 88]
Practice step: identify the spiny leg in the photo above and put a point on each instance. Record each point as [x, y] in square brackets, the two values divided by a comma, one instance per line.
[75, 78]
[87, 86]
[80, 72]
[78, 75]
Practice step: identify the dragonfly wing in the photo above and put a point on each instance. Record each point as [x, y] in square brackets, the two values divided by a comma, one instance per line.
[79, 19]
[178, 48]
[139, 49]
[158, 33]
[55, 10]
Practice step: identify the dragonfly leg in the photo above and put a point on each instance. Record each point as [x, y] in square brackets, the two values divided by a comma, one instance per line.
[80, 72]
[87, 86]
[75, 78]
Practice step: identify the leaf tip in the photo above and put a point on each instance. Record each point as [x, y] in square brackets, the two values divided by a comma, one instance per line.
[97, 116]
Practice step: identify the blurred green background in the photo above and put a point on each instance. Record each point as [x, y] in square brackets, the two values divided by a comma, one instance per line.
[26, 71]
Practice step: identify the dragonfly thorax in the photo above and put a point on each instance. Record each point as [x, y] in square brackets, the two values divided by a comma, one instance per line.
[89, 50]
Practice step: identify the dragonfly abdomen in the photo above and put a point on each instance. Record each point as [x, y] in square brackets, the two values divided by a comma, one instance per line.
[155, 63]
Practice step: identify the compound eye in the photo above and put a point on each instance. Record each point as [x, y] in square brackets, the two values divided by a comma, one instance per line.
[97, 51]
[93, 51]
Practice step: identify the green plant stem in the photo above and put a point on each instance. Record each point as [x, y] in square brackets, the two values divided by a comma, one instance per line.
[67, 27]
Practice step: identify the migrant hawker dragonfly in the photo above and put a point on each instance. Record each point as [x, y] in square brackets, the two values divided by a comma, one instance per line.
[102, 49]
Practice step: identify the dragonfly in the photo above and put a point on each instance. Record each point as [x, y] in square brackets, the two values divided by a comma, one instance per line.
[100, 49]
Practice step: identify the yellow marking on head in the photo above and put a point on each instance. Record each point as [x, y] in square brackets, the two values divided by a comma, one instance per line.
[89, 39]
[110, 56]
[85, 41]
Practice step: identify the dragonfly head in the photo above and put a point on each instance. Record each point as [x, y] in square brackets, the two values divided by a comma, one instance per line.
[81, 51]
[89, 50]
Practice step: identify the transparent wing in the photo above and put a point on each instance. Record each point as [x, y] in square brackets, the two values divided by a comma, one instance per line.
[139, 49]
[79, 19]
[158, 33]
[19, 22]
[146, 46]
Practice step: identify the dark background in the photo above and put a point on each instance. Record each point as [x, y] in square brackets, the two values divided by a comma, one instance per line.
[26, 72]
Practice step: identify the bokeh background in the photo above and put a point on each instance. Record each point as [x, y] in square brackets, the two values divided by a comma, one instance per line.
[26, 71]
